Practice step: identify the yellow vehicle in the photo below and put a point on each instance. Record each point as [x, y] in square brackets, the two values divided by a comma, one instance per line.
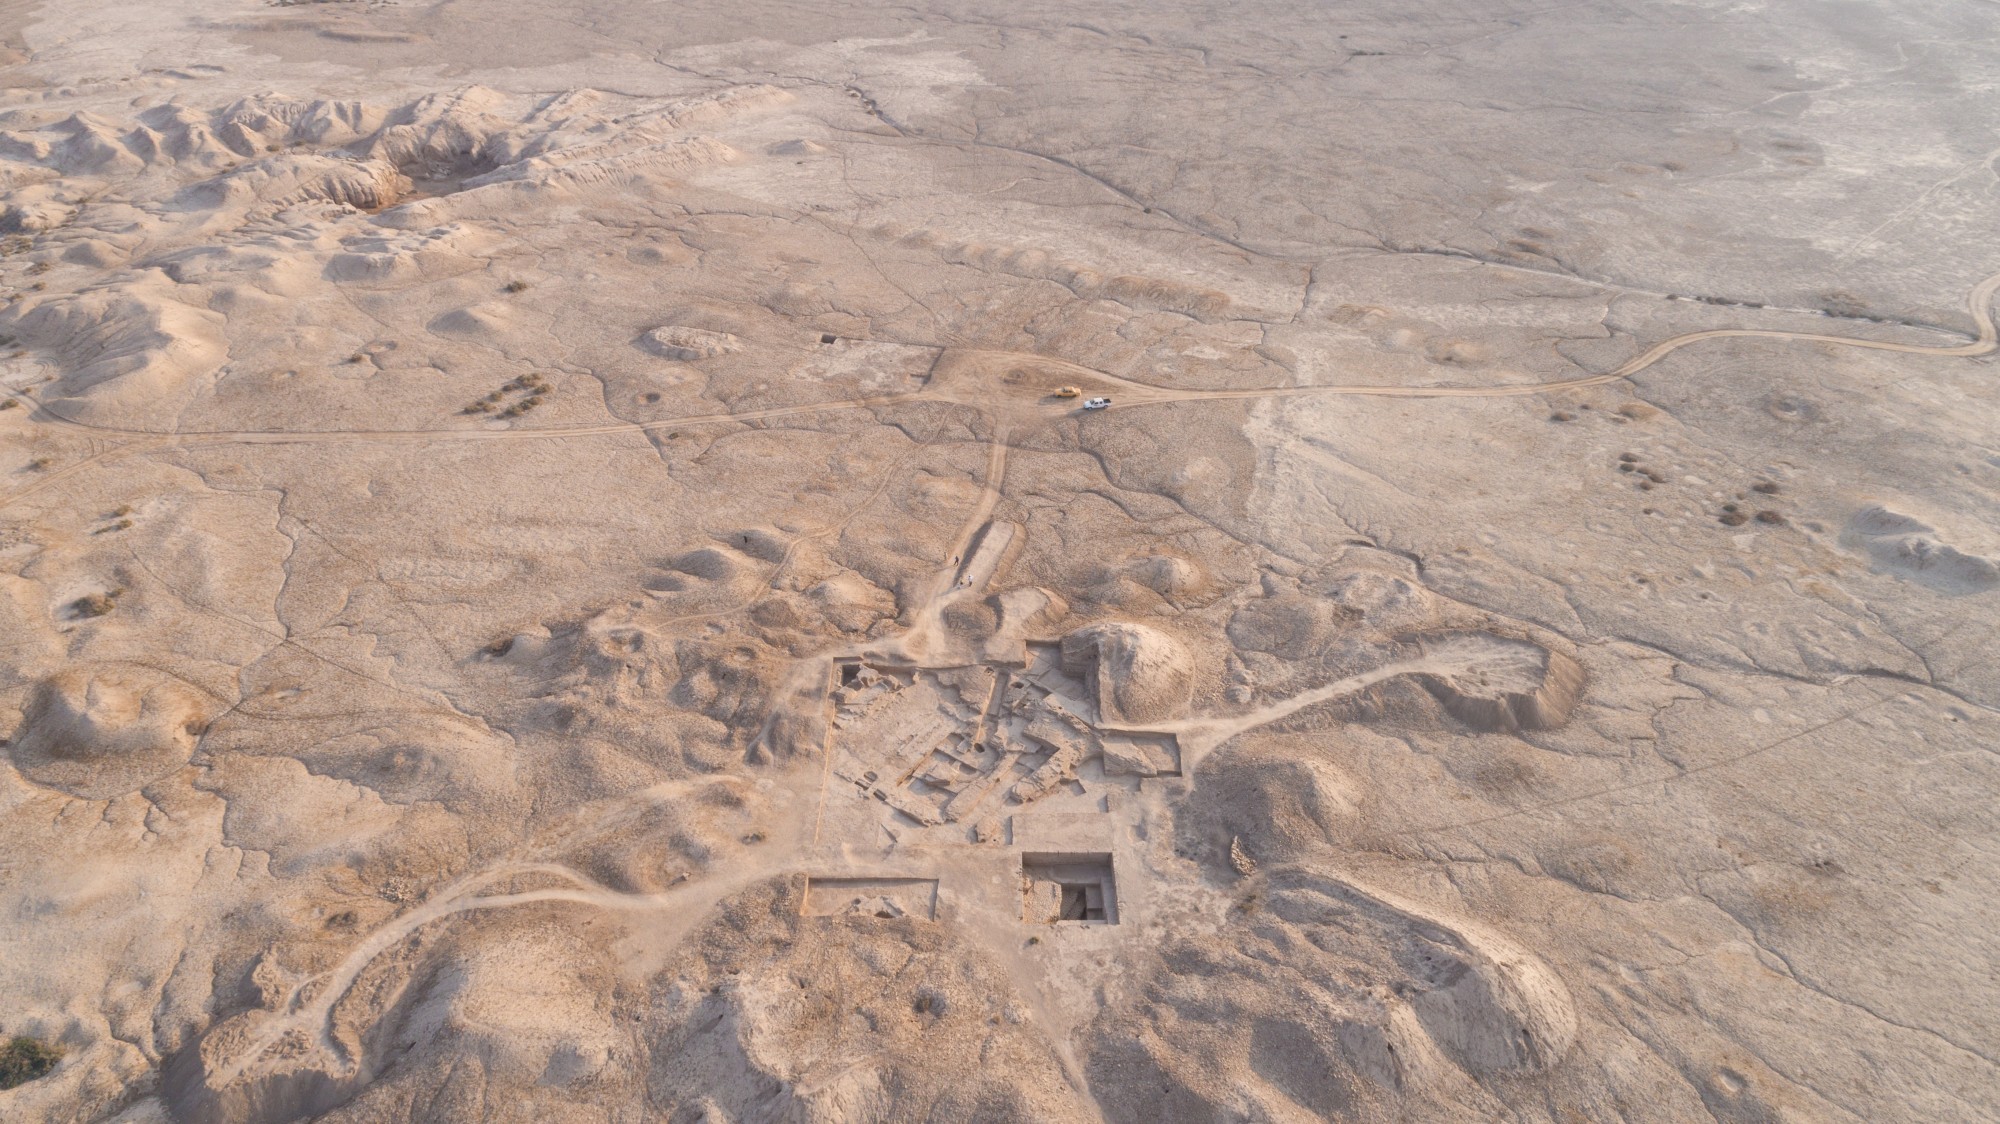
[1067, 392]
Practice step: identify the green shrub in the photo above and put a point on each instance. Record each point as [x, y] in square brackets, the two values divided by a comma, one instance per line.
[95, 605]
[23, 1059]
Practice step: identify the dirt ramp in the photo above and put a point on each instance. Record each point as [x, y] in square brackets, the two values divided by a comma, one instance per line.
[1494, 683]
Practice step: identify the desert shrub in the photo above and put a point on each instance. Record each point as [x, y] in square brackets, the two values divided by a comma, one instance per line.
[95, 605]
[23, 1059]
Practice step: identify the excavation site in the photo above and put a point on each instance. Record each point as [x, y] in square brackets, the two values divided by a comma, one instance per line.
[1112, 562]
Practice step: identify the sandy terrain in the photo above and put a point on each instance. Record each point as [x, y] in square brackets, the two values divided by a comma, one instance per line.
[545, 575]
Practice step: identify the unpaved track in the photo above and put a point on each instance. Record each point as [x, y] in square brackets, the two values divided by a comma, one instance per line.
[1978, 302]
[309, 1008]
[927, 632]
[1197, 737]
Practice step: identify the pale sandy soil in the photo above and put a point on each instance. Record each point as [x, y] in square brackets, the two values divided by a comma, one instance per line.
[544, 574]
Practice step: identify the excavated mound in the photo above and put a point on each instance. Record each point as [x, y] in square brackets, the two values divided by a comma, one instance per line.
[1492, 683]
[1319, 994]
[762, 1014]
[1381, 600]
[104, 731]
[774, 1016]
[1910, 548]
[677, 342]
[1274, 802]
[528, 1012]
[1136, 674]
[1322, 996]
[517, 1008]
[1289, 626]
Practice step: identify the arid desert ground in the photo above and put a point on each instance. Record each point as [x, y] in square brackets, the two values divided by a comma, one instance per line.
[550, 569]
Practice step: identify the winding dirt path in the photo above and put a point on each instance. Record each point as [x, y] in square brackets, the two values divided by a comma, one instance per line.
[308, 1009]
[1978, 303]
[1198, 736]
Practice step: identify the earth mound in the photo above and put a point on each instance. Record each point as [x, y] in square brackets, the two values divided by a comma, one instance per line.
[1910, 548]
[100, 732]
[1324, 996]
[1136, 674]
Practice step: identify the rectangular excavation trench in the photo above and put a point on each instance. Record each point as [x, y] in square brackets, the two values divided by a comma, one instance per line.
[886, 898]
[1068, 887]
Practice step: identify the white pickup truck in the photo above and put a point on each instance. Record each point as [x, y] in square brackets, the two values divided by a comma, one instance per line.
[1096, 403]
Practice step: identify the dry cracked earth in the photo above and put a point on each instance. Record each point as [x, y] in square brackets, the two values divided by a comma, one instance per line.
[549, 570]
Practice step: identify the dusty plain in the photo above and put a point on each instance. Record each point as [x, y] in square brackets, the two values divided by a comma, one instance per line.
[545, 575]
